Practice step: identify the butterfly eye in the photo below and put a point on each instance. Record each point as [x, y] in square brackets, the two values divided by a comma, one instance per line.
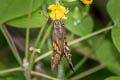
[56, 22]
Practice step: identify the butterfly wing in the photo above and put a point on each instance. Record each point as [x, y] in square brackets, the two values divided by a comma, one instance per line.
[68, 57]
[58, 49]
[66, 50]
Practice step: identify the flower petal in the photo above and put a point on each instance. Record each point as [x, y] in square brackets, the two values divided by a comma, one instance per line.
[58, 12]
[87, 1]
[52, 7]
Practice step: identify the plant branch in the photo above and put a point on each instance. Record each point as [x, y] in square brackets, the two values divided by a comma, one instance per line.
[39, 35]
[27, 72]
[41, 31]
[11, 70]
[43, 56]
[28, 30]
[78, 40]
[27, 43]
[32, 57]
[11, 43]
[88, 72]
[43, 75]
[90, 35]
[45, 37]
[79, 51]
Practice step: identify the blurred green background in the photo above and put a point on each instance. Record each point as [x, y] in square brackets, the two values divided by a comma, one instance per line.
[101, 49]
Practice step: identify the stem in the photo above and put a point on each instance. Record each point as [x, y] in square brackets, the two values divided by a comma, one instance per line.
[85, 10]
[43, 56]
[78, 40]
[39, 35]
[88, 72]
[45, 37]
[28, 30]
[79, 65]
[61, 73]
[37, 41]
[27, 43]
[49, 44]
[90, 35]
[27, 72]
[35, 45]
[32, 57]
[42, 42]
[11, 70]
[41, 31]
[57, 2]
[28, 75]
[11, 44]
[43, 75]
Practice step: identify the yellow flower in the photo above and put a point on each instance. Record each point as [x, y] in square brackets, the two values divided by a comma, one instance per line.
[58, 12]
[87, 1]
[52, 7]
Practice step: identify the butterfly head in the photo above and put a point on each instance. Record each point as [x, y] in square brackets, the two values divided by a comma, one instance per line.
[57, 22]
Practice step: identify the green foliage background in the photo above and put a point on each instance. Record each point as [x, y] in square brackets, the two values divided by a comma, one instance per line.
[83, 21]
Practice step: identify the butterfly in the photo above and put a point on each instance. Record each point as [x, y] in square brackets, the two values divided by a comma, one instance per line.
[60, 47]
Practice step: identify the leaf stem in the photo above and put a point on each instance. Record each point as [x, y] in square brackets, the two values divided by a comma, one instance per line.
[39, 35]
[43, 75]
[43, 56]
[28, 75]
[27, 43]
[28, 30]
[90, 35]
[31, 61]
[61, 73]
[42, 42]
[77, 40]
[45, 37]
[88, 72]
[11, 70]
[11, 43]
[57, 2]
[32, 57]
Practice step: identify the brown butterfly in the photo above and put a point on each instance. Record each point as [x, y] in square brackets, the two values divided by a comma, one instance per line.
[60, 47]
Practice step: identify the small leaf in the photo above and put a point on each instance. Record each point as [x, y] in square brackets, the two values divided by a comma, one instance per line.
[37, 20]
[116, 37]
[10, 9]
[108, 55]
[113, 8]
[113, 78]
[79, 27]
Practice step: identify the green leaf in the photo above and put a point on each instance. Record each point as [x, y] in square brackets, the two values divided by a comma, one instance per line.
[79, 27]
[113, 78]
[116, 37]
[113, 8]
[10, 9]
[37, 20]
[108, 55]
